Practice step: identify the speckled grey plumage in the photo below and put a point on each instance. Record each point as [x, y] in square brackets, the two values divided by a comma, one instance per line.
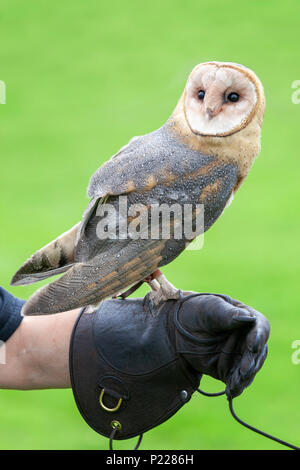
[153, 169]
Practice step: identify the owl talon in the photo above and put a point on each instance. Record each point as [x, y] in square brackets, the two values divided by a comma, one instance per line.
[157, 297]
[162, 290]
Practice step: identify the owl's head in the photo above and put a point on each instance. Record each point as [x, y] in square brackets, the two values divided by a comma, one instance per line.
[222, 98]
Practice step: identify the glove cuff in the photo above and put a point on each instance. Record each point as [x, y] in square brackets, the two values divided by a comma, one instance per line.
[10, 314]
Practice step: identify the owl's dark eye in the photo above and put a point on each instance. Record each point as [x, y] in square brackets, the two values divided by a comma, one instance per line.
[201, 94]
[233, 97]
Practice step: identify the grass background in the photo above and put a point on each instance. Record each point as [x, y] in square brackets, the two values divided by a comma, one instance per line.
[82, 78]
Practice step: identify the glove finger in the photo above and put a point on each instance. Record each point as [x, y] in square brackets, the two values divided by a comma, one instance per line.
[229, 358]
[262, 326]
[241, 316]
[211, 313]
[244, 374]
[252, 360]
[236, 383]
[261, 358]
[259, 334]
[247, 365]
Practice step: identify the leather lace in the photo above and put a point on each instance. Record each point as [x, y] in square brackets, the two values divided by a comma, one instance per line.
[190, 336]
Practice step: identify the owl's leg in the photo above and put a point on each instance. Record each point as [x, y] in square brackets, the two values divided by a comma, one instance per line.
[162, 289]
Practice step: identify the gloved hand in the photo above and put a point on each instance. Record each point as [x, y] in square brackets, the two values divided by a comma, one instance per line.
[143, 364]
[230, 339]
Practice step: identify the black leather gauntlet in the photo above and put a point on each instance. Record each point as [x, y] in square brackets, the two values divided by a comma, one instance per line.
[132, 369]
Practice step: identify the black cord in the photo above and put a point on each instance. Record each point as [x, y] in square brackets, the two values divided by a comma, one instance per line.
[291, 446]
[206, 394]
[112, 436]
[252, 428]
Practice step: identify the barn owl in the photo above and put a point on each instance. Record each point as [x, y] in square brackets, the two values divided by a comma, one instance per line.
[201, 155]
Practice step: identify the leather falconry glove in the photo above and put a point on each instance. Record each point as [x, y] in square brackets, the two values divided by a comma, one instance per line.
[132, 368]
[223, 338]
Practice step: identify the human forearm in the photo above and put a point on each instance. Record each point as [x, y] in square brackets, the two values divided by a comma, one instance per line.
[37, 354]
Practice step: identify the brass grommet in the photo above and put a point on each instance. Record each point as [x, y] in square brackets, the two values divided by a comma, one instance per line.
[116, 425]
[110, 410]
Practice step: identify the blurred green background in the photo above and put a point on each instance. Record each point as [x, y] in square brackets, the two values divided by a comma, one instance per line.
[82, 78]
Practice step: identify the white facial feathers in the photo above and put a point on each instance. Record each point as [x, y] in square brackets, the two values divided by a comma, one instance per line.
[226, 102]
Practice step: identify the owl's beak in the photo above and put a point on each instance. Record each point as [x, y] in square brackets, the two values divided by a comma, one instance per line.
[212, 111]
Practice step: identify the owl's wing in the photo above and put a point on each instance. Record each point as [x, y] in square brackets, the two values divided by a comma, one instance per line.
[147, 161]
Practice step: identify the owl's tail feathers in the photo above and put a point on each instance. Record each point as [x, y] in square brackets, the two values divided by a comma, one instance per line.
[54, 258]
[73, 290]
[87, 283]
[83, 284]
